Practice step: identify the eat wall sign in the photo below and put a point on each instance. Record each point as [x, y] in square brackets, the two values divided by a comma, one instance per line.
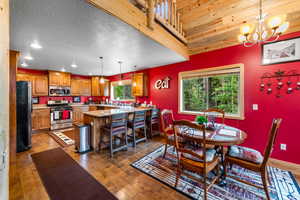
[162, 84]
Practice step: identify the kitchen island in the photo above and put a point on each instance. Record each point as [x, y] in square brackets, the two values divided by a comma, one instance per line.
[97, 120]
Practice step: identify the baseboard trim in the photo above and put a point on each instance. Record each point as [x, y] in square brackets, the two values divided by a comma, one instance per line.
[295, 168]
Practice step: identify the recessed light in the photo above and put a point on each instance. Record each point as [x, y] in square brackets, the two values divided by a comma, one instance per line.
[35, 45]
[74, 65]
[63, 69]
[28, 57]
[23, 64]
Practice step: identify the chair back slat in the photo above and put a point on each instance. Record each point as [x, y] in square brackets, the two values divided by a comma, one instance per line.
[154, 113]
[118, 120]
[191, 127]
[272, 137]
[139, 116]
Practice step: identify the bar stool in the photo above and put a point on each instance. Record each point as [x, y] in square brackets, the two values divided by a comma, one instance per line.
[116, 128]
[138, 122]
[153, 120]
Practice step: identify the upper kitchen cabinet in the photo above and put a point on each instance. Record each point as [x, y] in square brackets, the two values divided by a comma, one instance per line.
[95, 86]
[80, 86]
[99, 89]
[140, 84]
[40, 86]
[59, 79]
[39, 83]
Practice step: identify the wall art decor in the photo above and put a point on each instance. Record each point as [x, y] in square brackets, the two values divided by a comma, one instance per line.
[281, 51]
[280, 82]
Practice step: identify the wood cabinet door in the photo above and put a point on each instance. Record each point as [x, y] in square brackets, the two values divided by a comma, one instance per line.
[95, 86]
[28, 78]
[137, 84]
[75, 87]
[40, 85]
[40, 119]
[66, 80]
[55, 78]
[86, 87]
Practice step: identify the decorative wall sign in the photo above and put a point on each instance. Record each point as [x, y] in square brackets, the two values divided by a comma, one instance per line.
[280, 81]
[162, 84]
[281, 51]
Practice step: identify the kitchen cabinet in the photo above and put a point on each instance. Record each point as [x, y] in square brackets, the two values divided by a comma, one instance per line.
[100, 89]
[40, 86]
[40, 118]
[39, 83]
[78, 113]
[80, 87]
[95, 86]
[140, 84]
[62, 79]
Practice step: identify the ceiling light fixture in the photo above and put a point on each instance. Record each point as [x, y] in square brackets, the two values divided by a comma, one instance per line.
[102, 81]
[134, 82]
[121, 76]
[35, 45]
[23, 64]
[28, 57]
[74, 65]
[255, 34]
[63, 70]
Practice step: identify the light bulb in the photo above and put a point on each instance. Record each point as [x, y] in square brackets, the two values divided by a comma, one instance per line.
[134, 84]
[242, 38]
[74, 65]
[120, 83]
[283, 27]
[275, 22]
[35, 45]
[102, 81]
[28, 57]
[246, 29]
[255, 36]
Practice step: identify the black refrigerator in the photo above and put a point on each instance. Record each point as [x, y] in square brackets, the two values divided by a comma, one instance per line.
[24, 109]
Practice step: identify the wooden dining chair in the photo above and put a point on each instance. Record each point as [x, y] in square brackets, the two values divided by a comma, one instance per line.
[253, 160]
[196, 159]
[153, 120]
[138, 123]
[167, 120]
[216, 112]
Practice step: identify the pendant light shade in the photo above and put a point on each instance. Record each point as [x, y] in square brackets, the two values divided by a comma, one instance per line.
[120, 81]
[102, 81]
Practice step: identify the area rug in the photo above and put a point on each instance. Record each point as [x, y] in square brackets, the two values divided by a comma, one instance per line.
[65, 179]
[283, 184]
[63, 137]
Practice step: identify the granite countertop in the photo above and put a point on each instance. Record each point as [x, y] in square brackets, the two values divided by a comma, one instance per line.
[106, 113]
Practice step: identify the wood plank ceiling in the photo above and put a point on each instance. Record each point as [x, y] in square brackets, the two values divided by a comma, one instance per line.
[215, 24]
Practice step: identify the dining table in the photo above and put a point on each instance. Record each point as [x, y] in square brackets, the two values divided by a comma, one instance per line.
[217, 135]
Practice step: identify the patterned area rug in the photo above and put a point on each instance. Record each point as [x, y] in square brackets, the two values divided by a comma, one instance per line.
[63, 137]
[283, 184]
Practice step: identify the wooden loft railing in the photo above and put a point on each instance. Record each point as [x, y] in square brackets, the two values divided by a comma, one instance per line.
[164, 12]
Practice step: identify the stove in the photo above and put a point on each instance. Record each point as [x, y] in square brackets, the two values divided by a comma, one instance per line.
[60, 114]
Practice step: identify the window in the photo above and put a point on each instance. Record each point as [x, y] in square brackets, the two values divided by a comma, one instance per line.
[220, 87]
[121, 92]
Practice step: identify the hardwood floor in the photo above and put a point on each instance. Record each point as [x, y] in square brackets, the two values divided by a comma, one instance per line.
[115, 174]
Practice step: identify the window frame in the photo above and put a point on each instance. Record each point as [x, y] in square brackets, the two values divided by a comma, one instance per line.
[214, 71]
[116, 83]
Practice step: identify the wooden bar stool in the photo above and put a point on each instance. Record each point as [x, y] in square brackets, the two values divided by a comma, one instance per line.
[152, 121]
[116, 128]
[138, 122]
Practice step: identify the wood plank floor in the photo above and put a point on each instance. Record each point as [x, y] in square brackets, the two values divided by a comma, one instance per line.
[116, 174]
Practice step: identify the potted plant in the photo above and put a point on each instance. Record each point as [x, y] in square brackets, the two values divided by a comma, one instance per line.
[200, 119]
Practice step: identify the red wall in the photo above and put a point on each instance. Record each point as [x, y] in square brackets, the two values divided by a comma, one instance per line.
[256, 123]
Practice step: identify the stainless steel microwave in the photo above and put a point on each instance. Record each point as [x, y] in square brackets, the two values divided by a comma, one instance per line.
[59, 91]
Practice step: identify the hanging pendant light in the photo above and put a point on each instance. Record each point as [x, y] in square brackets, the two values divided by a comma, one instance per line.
[252, 34]
[134, 82]
[102, 81]
[120, 81]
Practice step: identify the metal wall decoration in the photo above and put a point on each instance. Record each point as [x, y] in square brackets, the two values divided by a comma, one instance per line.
[280, 82]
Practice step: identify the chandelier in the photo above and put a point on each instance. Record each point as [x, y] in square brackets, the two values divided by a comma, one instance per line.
[260, 32]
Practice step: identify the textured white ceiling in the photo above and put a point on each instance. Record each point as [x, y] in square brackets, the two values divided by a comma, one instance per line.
[74, 31]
